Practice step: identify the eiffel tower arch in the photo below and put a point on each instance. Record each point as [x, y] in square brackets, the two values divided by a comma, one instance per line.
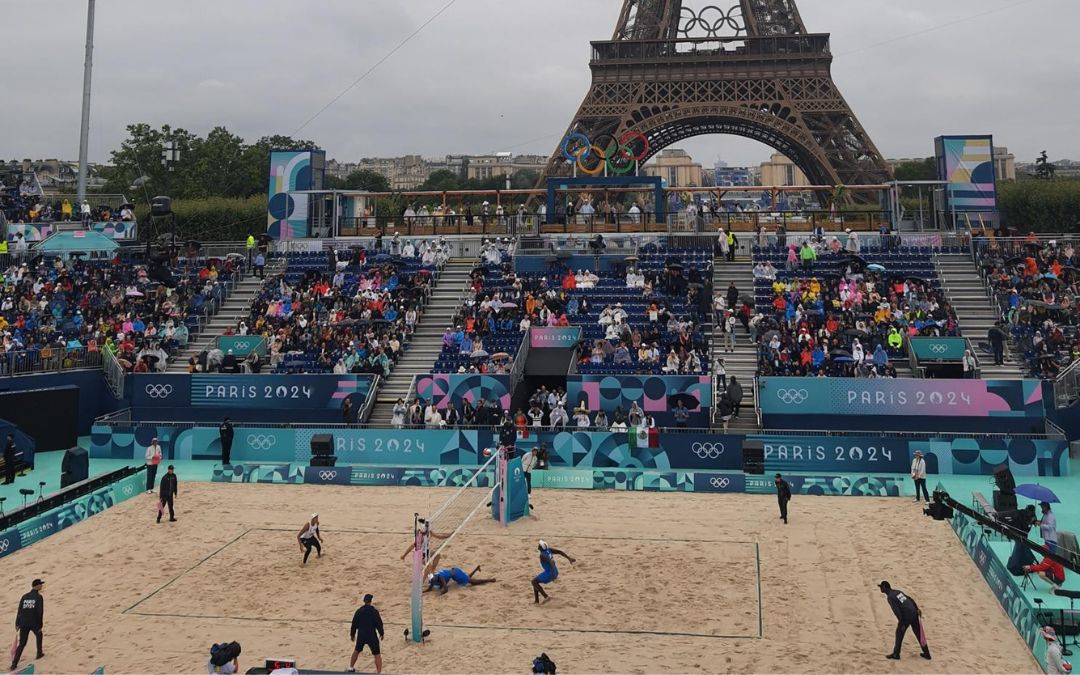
[672, 71]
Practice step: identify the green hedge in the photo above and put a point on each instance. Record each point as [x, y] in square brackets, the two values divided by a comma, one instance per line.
[1040, 206]
[216, 218]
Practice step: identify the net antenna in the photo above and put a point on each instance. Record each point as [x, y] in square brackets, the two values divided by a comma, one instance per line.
[443, 525]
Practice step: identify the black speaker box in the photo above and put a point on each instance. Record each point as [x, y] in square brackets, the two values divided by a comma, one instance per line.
[753, 458]
[160, 206]
[1004, 501]
[1004, 479]
[75, 467]
[322, 444]
[324, 460]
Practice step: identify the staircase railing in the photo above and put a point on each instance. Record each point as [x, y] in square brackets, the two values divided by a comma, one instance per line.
[517, 373]
[114, 374]
[364, 413]
[757, 400]
[1067, 385]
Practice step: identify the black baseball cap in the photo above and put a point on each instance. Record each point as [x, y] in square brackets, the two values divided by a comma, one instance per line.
[368, 598]
[37, 582]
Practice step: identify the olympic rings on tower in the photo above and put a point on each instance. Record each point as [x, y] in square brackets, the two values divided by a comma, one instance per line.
[616, 155]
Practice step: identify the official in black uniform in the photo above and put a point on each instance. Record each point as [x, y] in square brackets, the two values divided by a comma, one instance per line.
[225, 432]
[11, 458]
[907, 615]
[366, 629]
[783, 495]
[30, 619]
[167, 493]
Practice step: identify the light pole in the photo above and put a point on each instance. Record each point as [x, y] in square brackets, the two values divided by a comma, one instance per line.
[84, 131]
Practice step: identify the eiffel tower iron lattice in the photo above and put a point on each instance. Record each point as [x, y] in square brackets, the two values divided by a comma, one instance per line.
[672, 71]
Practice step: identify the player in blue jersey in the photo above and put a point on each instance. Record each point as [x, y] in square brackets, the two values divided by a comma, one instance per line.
[550, 571]
[440, 580]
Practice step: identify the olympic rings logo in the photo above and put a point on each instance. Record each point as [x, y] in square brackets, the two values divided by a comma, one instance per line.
[5, 544]
[792, 396]
[720, 481]
[707, 450]
[158, 390]
[242, 344]
[328, 475]
[261, 442]
[939, 348]
[128, 490]
[616, 155]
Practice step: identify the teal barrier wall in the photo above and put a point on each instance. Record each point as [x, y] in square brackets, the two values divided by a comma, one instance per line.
[242, 345]
[47, 524]
[1003, 584]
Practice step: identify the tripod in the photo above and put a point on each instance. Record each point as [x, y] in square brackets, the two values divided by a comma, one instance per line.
[1071, 595]
[1027, 582]
[40, 491]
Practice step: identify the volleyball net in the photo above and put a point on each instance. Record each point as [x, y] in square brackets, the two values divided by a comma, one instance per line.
[445, 523]
[499, 483]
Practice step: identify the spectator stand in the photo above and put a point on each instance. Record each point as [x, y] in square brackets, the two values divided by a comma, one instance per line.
[59, 310]
[344, 310]
[1035, 283]
[845, 313]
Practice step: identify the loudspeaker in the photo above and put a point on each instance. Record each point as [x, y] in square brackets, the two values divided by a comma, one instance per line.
[1004, 501]
[322, 444]
[74, 467]
[160, 206]
[1004, 479]
[324, 460]
[753, 458]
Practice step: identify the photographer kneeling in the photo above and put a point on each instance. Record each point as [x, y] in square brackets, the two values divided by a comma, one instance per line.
[1049, 571]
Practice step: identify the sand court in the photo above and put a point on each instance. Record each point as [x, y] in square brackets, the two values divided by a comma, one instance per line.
[665, 583]
[614, 579]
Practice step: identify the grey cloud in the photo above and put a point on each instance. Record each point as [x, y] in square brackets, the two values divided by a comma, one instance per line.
[491, 75]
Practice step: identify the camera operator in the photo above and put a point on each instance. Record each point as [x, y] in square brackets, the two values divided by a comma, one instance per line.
[1049, 571]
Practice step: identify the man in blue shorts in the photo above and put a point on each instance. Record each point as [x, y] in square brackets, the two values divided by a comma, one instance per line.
[550, 571]
[441, 579]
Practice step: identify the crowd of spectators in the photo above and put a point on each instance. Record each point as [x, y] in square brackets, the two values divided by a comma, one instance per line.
[1036, 285]
[847, 318]
[357, 319]
[52, 310]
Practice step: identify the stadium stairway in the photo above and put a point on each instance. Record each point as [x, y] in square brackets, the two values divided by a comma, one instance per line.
[237, 306]
[426, 344]
[975, 311]
[743, 363]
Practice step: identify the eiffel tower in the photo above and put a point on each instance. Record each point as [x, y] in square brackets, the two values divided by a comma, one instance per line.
[671, 72]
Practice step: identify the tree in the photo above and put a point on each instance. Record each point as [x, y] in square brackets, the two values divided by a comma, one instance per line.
[1044, 170]
[256, 164]
[216, 167]
[923, 169]
[362, 179]
[140, 155]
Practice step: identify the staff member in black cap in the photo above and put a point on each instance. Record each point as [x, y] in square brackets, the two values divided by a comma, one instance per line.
[11, 457]
[908, 615]
[225, 434]
[366, 629]
[29, 619]
[783, 495]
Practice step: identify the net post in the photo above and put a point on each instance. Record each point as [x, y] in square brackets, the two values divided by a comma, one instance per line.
[501, 476]
[420, 541]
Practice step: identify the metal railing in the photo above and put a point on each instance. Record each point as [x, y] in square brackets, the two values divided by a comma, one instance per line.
[1067, 386]
[364, 413]
[114, 375]
[48, 360]
[757, 400]
[517, 373]
[596, 223]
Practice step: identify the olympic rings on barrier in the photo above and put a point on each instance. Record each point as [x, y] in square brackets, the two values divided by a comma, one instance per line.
[616, 155]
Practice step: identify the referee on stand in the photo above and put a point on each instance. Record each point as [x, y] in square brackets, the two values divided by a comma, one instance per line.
[366, 629]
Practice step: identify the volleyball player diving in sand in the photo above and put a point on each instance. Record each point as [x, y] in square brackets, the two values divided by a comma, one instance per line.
[440, 580]
[412, 546]
[550, 571]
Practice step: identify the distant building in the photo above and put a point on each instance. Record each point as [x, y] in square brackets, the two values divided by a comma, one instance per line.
[676, 167]
[484, 167]
[733, 176]
[780, 171]
[1004, 164]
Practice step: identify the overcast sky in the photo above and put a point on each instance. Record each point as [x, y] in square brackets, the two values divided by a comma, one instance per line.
[503, 75]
